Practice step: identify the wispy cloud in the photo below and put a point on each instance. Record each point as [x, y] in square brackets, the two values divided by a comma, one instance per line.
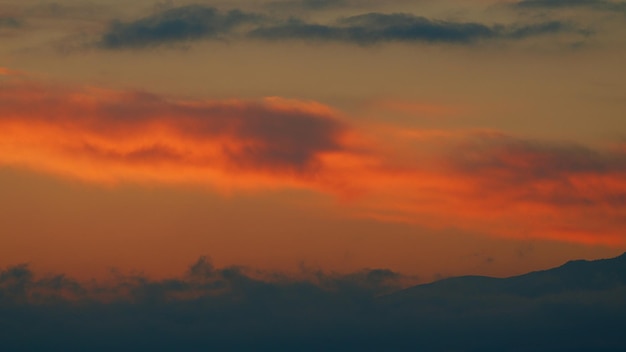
[399, 27]
[507, 186]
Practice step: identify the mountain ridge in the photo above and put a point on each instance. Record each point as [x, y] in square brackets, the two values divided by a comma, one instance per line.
[580, 274]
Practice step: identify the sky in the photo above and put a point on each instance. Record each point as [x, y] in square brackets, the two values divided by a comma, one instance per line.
[434, 139]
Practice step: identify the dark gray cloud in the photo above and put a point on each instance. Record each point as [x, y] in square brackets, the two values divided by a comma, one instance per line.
[399, 27]
[329, 5]
[199, 22]
[175, 25]
[309, 4]
[9, 22]
[578, 306]
[602, 5]
[322, 4]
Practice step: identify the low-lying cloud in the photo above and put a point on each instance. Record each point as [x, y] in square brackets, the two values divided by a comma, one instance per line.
[577, 306]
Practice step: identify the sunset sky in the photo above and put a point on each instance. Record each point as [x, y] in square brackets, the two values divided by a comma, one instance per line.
[431, 138]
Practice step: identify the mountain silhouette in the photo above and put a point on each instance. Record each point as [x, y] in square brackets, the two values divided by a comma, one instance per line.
[575, 275]
[579, 306]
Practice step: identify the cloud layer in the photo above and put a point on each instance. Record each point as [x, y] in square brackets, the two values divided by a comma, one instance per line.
[482, 181]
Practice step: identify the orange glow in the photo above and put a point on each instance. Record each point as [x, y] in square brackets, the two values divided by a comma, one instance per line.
[413, 108]
[4, 71]
[483, 181]
[109, 137]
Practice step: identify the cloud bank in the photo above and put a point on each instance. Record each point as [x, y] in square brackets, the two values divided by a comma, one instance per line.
[577, 306]
[482, 181]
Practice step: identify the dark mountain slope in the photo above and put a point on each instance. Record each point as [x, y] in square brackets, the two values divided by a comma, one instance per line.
[579, 306]
[577, 275]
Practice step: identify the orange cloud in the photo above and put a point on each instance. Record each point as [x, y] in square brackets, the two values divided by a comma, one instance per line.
[483, 181]
[4, 71]
[109, 136]
[494, 183]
